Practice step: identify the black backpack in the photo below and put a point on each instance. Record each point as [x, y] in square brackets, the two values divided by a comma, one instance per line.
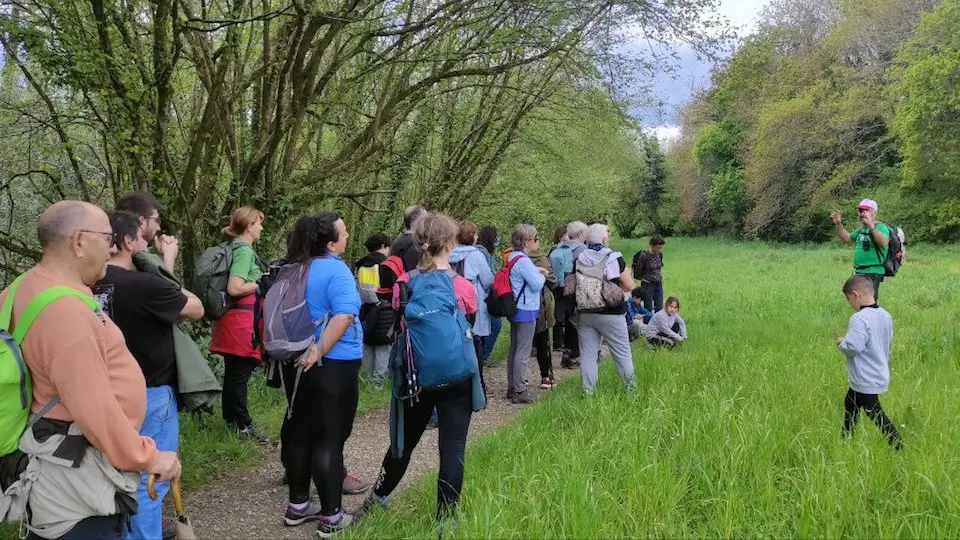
[895, 251]
[637, 259]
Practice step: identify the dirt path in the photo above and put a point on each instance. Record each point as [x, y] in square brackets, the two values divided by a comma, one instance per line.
[249, 503]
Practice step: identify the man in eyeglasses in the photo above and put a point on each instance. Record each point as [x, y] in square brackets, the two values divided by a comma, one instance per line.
[88, 390]
[871, 242]
[147, 207]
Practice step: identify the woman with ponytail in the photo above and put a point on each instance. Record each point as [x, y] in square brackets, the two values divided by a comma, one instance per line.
[435, 235]
[232, 335]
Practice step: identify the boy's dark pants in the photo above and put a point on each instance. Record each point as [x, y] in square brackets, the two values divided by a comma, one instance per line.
[870, 403]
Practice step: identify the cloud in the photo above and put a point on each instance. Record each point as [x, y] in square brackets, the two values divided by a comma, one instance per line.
[742, 14]
[666, 134]
[669, 92]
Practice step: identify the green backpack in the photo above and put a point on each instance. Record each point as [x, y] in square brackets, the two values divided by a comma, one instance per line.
[16, 394]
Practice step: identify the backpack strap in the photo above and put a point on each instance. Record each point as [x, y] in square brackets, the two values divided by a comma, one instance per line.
[6, 311]
[322, 323]
[876, 246]
[39, 302]
[34, 418]
[394, 263]
[509, 267]
[603, 262]
[513, 261]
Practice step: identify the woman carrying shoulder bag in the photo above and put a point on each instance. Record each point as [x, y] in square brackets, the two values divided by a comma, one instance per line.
[606, 323]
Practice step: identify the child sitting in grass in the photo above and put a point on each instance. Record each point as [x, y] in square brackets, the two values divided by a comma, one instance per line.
[867, 348]
[666, 328]
[637, 315]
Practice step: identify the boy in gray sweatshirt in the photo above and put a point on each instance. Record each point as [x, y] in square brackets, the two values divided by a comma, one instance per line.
[867, 348]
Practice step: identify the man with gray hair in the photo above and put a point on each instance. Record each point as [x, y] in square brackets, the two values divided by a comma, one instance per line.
[564, 331]
[88, 395]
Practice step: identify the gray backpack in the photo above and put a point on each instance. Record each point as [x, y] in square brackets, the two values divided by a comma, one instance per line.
[594, 291]
[288, 329]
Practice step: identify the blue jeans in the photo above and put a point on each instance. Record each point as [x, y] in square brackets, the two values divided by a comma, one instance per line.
[489, 341]
[162, 425]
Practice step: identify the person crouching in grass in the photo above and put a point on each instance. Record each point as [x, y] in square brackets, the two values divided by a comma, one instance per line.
[867, 348]
[666, 328]
[637, 314]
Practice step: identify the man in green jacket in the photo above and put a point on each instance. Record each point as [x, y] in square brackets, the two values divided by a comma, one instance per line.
[871, 242]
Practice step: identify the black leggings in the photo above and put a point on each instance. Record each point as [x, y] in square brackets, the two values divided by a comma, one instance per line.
[870, 403]
[236, 381]
[313, 437]
[541, 340]
[565, 332]
[454, 408]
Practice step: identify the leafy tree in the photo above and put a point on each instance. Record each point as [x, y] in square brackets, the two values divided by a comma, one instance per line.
[295, 105]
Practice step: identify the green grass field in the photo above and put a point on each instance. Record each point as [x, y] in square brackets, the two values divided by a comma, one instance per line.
[736, 433]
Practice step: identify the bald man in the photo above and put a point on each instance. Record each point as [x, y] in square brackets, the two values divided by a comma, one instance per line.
[81, 366]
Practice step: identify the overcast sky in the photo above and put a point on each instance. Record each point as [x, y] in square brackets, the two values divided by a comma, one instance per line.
[676, 90]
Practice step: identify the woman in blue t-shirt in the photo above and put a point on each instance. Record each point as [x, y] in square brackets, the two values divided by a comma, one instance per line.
[326, 399]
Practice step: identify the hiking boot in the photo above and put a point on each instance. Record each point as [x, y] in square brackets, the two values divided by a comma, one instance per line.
[546, 383]
[253, 434]
[327, 528]
[370, 504]
[568, 362]
[354, 486]
[295, 517]
[524, 397]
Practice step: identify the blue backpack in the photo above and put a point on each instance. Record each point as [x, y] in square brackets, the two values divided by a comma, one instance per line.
[561, 261]
[436, 349]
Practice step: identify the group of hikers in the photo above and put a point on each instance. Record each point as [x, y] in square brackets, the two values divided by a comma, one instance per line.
[93, 331]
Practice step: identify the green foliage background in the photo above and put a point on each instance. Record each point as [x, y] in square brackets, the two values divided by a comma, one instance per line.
[828, 102]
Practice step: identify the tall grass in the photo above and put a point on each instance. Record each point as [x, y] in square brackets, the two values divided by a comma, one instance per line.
[737, 432]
